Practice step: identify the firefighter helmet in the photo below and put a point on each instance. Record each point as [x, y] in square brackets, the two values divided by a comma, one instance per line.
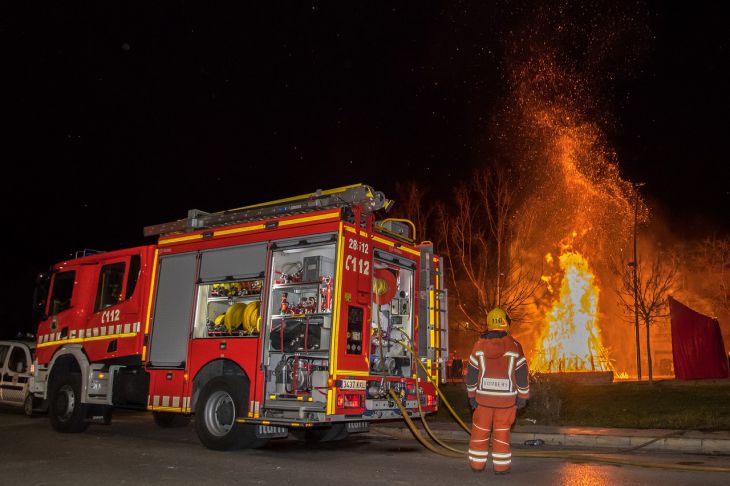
[498, 320]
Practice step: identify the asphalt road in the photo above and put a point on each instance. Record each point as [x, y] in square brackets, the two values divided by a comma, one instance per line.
[134, 451]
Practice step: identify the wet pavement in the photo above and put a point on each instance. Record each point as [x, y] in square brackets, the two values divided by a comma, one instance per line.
[134, 451]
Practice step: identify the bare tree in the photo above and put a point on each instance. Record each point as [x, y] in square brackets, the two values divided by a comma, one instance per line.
[712, 256]
[412, 205]
[481, 239]
[654, 278]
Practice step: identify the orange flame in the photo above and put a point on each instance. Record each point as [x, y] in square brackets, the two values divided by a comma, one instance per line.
[571, 339]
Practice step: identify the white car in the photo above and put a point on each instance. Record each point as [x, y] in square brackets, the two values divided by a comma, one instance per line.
[15, 374]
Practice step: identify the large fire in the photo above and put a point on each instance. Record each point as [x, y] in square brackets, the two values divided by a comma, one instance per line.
[571, 338]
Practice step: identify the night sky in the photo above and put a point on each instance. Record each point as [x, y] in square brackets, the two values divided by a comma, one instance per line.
[121, 116]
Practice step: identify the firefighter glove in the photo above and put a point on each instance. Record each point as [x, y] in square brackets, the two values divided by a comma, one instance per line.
[521, 403]
[473, 403]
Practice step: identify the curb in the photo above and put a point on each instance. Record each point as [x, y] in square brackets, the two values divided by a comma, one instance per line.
[695, 444]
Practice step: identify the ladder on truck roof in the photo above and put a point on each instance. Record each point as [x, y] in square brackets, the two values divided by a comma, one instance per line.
[357, 194]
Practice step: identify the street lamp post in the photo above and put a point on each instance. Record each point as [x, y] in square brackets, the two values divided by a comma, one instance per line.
[635, 264]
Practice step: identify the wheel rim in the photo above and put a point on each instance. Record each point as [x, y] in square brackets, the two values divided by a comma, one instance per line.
[65, 403]
[220, 413]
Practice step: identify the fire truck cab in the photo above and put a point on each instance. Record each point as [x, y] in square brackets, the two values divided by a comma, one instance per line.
[297, 315]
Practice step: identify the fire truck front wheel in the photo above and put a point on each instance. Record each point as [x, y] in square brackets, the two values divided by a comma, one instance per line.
[66, 412]
[220, 403]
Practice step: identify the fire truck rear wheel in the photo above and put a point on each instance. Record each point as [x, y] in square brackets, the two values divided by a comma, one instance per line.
[170, 420]
[65, 410]
[221, 402]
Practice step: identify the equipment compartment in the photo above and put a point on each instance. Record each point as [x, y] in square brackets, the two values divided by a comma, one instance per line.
[229, 309]
[299, 329]
[392, 320]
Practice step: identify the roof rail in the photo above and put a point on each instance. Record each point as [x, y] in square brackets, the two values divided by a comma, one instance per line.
[356, 194]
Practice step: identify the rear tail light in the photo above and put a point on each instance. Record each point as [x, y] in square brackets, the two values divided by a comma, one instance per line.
[431, 400]
[349, 400]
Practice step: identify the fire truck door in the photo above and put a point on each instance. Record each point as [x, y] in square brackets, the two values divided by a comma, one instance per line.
[64, 304]
[173, 311]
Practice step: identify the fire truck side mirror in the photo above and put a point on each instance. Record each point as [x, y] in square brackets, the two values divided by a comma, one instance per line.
[40, 294]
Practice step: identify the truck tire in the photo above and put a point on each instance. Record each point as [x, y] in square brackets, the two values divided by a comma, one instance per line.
[170, 420]
[65, 410]
[221, 402]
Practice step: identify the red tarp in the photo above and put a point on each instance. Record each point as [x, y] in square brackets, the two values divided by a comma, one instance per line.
[699, 352]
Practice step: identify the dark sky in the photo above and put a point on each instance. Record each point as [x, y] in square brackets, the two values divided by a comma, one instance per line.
[121, 116]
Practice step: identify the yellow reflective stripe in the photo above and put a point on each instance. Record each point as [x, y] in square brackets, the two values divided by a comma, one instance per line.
[352, 373]
[242, 229]
[84, 340]
[319, 217]
[252, 227]
[336, 303]
[330, 402]
[303, 196]
[149, 303]
[432, 313]
[384, 241]
[402, 247]
[168, 241]
[287, 222]
[352, 230]
[152, 288]
[164, 409]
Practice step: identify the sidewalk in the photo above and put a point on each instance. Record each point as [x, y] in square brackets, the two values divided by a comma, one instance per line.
[651, 439]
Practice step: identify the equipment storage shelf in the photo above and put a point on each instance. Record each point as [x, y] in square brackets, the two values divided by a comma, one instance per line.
[229, 309]
[299, 327]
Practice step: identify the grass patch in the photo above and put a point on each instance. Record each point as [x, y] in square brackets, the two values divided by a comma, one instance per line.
[668, 404]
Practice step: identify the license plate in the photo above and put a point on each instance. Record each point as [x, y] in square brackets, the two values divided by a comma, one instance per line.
[353, 385]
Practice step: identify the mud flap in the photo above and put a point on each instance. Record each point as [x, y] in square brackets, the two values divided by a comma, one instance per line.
[271, 432]
[357, 427]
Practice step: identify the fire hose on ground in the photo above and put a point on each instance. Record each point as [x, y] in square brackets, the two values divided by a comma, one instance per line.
[578, 456]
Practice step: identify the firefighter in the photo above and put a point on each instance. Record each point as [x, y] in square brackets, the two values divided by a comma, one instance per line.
[497, 385]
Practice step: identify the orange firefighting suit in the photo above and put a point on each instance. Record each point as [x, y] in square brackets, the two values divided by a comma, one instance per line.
[496, 380]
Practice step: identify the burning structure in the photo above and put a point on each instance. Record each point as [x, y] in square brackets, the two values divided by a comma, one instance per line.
[567, 214]
[563, 216]
[571, 338]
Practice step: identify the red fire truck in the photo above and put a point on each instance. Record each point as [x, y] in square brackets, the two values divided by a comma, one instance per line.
[296, 315]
